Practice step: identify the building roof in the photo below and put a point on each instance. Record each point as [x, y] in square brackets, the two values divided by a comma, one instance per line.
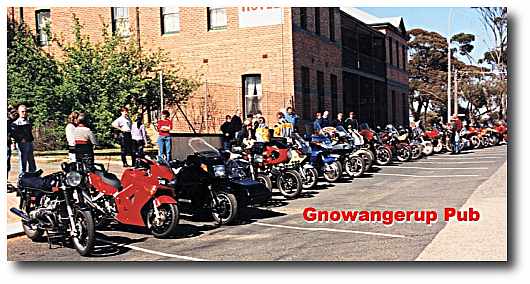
[369, 19]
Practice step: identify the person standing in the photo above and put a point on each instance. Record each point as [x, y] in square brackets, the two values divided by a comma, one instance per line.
[164, 125]
[123, 124]
[22, 133]
[351, 122]
[70, 127]
[339, 122]
[283, 128]
[262, 130]
[291, 117]
[228, 133]
[139, 137]
[324, 122]
[236, 123]
[85, 141]
[317, 123]
[11, 117]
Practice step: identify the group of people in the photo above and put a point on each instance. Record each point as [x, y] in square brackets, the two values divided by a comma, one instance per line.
[322, 120]
[255, 128]
[131, 136]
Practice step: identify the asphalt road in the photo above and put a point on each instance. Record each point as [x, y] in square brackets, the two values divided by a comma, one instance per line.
[278, 231]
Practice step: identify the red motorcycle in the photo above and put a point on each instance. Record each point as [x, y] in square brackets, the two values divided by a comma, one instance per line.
[144, 196]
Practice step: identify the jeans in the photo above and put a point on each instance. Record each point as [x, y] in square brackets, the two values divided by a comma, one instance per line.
[164, 147]
[26, 158]
[126, 147]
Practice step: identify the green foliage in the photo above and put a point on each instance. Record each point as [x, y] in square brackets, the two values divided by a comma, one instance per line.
[93, 77]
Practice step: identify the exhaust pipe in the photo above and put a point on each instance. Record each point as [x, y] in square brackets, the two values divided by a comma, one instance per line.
[20, 214]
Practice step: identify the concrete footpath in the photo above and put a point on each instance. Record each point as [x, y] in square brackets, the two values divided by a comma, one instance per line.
[485, 240]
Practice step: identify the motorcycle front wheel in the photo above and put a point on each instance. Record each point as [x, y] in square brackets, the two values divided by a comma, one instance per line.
[416, 151]
[332, 172]
[165, 224]
[354, 166]
[86, 232]
[427, 148]
[226, 210]
[403, 154]
[311, 178]
[383, 156]
[289, 184]
[438, 148]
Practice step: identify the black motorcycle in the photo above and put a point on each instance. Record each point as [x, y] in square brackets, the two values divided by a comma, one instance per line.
[53, 206]
[202, 182]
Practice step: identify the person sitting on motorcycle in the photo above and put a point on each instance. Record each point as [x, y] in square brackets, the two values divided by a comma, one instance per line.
[85, 140]
[317, 123]
[351, 122]
[339, 121]
[262, 130]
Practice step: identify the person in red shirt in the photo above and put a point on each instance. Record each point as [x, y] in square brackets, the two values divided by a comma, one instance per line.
[164, 125]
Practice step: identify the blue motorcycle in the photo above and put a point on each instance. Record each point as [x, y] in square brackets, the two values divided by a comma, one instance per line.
[327, 164]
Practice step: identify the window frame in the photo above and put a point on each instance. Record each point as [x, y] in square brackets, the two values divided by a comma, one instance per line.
[317, 20]
[245, 95]
[331, 24]
[40, 31]
[321, 90]
[209, 19]
[303, 18]
[114, 19]
[306, 92]
[163, 21]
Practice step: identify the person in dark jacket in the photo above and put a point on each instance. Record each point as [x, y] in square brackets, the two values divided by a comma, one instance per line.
[23, 135]
[236, 123]
[228, 133]
[351, 122]
[324, 122]
[339, 121]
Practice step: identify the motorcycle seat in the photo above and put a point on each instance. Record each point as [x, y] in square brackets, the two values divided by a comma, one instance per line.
[110, 179]
[37, 173]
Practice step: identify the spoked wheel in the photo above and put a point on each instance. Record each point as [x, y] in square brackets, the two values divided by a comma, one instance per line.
[311, 178]
[226, 210]
[354, 166]
[86, 232]
[164, 224]
[383, 156]
[289, 184]
[264, 179]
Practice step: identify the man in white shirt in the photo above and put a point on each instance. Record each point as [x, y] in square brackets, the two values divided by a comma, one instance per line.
[123, 124]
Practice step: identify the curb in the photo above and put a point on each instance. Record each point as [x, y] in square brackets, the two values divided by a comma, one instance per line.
[14, 230]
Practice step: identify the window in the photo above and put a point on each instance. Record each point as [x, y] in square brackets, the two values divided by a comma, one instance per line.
[317, 20]
[120, 21]
[331, 24]
[170, 20]
[397, 54]
[306, 90]
[320, 91]
[303, 18]
[217, 18]
[365, 42]
[405, 57]
[42, 18]
[333, 89]
[390, 52]
[394, 107]
[252, 94]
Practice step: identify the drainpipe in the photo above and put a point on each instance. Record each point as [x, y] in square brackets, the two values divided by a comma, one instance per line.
[138, 28]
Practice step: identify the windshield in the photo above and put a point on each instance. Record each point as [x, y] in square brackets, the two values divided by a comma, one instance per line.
[199, 145]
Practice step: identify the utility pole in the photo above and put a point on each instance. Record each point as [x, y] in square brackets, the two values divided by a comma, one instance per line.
[456, 92]
[161, 93]
[449, 65]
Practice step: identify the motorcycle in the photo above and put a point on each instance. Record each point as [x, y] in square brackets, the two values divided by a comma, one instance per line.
[53, 205]
[202, 184]
[352, 164]
[382, 153]
[328, 165]
[300, 153]
[144, 196]
[400, 150]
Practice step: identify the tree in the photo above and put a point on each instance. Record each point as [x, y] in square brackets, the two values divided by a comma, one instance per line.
[465, 44]
[495, 21]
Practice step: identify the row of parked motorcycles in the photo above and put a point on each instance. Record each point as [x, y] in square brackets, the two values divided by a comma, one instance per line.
[69, 206]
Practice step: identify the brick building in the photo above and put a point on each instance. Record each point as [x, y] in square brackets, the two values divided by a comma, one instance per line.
[253, 59]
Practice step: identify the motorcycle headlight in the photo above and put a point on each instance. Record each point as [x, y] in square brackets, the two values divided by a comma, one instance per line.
[258, 158]
[166, 182]
[219, 170]
[73, 179]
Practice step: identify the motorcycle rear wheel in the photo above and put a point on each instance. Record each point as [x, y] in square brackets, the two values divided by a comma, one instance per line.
[383, 156]
[171, 221]
[264, 179]
[403, 154]
[438, 148]
[354, 166]
[416, 151]
[228, 207]
[84, 243]
[289, 184]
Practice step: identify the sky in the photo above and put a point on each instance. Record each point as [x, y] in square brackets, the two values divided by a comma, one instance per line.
[465, 20]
